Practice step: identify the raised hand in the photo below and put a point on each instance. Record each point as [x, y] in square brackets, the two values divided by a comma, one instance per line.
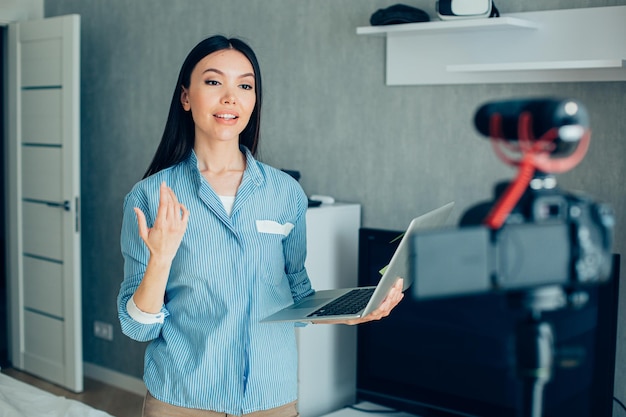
[163, 240]
[164, 237]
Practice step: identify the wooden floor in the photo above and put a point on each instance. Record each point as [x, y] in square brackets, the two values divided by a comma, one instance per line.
[115, 401]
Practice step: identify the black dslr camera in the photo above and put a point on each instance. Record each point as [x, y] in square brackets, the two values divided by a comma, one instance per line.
[532, 234]
[537, 244]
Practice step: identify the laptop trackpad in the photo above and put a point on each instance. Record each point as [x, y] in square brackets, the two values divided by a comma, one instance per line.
[312, 303]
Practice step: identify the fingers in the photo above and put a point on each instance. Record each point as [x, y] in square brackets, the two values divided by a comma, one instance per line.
[184, 214]
[169, 208]
[171, 196]
[392, 299]
[389, 303]
[142, 223]
[164, 201]
[165, 236]
[175, 209]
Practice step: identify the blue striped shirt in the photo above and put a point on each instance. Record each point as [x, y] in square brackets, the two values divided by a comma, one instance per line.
[210, 352]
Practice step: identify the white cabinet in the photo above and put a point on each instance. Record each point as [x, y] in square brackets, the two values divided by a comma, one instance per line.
[327, 353]
[577, 45]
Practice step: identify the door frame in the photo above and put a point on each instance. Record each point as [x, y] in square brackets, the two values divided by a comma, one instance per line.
[7, 16]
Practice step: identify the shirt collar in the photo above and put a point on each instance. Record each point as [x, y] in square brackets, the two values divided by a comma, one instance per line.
[253, 171]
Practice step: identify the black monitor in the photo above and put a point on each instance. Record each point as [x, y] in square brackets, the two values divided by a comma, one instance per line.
[455, 356]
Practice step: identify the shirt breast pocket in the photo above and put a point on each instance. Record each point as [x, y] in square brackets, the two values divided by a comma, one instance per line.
[274, 228]
[272, 258]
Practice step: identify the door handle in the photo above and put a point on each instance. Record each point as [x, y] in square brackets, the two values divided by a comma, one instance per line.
[64, 205]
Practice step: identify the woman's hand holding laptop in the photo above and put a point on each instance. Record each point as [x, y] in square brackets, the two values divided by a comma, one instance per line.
[392, 299]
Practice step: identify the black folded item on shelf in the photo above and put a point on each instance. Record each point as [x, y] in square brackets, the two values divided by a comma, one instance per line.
[398, 13]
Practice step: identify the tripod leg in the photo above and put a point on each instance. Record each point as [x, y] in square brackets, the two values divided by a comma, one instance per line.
[532, 398]
[535, 355]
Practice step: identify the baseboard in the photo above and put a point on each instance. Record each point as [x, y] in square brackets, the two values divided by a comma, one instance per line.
[114, 378]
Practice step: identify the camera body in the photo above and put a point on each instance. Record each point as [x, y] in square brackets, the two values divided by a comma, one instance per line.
[552, 238]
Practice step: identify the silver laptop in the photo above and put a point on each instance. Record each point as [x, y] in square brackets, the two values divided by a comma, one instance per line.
[350, 303]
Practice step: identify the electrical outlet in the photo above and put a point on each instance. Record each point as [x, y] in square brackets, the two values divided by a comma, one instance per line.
[103, 330]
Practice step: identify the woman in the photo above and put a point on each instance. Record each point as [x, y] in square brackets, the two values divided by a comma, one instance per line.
[214, 241]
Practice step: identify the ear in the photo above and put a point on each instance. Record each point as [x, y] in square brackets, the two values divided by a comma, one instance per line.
[184, 99]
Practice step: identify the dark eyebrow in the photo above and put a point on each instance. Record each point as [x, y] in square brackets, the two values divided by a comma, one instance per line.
[215, 70]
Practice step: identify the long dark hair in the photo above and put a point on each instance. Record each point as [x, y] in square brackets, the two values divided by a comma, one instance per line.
[178, 136]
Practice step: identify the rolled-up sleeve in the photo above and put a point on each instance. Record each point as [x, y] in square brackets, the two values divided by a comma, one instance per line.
[295, 254]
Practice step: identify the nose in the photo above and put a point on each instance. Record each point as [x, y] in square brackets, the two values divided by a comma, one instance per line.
[229, 97]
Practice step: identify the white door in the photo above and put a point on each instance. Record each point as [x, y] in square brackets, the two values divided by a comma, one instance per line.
[43, 185]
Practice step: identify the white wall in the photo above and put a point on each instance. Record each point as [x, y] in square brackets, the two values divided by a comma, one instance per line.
[13, 10]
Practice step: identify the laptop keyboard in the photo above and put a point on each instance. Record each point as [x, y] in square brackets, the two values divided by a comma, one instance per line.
[349, 303]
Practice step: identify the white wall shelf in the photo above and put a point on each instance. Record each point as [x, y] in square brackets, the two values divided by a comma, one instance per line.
[545, 65]
[570, 45]
[503, 23]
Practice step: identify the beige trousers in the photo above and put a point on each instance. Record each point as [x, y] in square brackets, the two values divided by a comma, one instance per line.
[155, 408]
